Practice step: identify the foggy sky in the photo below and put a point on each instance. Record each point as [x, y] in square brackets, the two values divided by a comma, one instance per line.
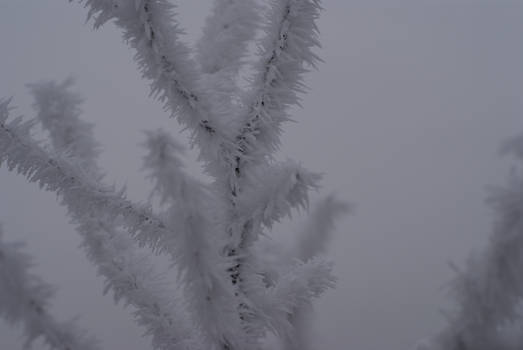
[404, 118]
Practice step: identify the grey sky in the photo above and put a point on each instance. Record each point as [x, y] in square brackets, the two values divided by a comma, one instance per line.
[404, 118]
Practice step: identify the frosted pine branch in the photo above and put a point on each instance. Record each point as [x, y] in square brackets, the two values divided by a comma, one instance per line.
[269, 194]
[294, 289]
[25, 298]
[130, 275]
[80, 193]
[272, 191]
[132, 278]
[58, 109]
[206, 286]
[142, 26]
[209, 229]
[149, 28]
[489, 291]
[312, 242]
[272, 258]
[290, 36]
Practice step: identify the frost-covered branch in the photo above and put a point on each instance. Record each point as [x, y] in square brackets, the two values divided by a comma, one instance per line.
[81, 194]
[270, 193]
[58, 109]
[149, 28]
[207, 229]
[489, 291]
[131, 277]
[290, 35]
[292, 323]
[312, 242]
[61, 175]
[129, 274]
[25, 298]
[294, 289]
[206, 284]
[286, 50]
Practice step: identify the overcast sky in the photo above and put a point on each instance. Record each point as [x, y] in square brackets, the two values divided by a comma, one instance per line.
[404, 118]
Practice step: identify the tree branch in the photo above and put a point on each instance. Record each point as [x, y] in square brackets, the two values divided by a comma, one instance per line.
[291, 34]
[164, 60]
[82, 195]
[128, 273]
[270, 193]
[206, 286]
[490, 289]
[293, 290]
[58, 110]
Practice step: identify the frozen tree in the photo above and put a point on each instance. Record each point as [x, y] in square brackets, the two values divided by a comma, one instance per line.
[489, 291]
[234, 292]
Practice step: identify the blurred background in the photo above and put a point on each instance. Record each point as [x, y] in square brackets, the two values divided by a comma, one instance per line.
[404, 118]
